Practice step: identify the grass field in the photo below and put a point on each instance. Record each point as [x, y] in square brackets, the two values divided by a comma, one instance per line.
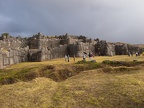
[60, 84]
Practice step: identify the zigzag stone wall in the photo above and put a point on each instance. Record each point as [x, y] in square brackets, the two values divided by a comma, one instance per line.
[40, 48]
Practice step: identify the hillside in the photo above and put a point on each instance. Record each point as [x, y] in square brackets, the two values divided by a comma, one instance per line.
[118, 83]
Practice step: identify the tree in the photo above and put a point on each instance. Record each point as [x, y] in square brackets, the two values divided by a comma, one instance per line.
[5, 34]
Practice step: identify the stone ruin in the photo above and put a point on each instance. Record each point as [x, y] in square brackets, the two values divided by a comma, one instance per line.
[41, 48]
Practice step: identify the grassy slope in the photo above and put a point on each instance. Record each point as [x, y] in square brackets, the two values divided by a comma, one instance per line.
[88, 89]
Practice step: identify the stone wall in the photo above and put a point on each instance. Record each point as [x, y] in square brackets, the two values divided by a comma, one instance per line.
[12, 56]
[47, 54]
[12, 42]
[124, 49]
[110, 49]
[78, 48]
[40, 48]
[101, 48]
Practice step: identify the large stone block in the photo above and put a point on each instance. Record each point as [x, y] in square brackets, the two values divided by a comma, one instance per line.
[16, 59]
[25, 58]
[11, 60]
[19, 53]
[78, 47]
[15, 52]
[43, 57]
[48, 58]
[11, 53]
[1, 61]
[6, 60]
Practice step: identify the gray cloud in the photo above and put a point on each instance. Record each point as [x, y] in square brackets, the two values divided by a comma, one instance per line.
[111, 20]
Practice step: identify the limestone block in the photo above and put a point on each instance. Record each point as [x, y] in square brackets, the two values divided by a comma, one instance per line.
[52, 51]
[43, 57]
[23, 58]
[57, 49]
[20, 59]
[6, 53]
[49, 52]
[6, 61]
[16, 59]
[48, 57]
[78, 47]
[55, 55]
[11, 53]
[51, 56]
[15, 53]
[19, 53]
[11, 60]
[1, 61]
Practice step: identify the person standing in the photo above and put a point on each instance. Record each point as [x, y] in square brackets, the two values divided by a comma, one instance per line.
[84, 56]
[89, 56]
[66, 58]
[74, 57]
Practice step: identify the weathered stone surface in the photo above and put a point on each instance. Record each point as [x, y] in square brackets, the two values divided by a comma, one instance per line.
[5, 60]
[16, 59]
[11, 61]
[11, 53]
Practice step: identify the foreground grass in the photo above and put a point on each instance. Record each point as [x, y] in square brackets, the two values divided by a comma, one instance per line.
[89, 89]
[109, 86]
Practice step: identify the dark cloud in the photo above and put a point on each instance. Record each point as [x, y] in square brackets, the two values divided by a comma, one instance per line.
[111, 20]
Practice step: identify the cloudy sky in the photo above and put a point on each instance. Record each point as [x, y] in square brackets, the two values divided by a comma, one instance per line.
[111, 20]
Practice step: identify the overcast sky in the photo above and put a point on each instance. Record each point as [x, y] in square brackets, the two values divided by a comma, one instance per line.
[111, 20]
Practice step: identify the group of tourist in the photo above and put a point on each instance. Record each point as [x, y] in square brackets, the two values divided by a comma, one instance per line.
[131, 54]
[90, 55]
[67, 58]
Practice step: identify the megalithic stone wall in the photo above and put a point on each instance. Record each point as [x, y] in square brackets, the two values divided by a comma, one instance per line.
[12, 56]
[80, 47]
[121, 49]
[47, 54]
[40, 48]
[92, 49]
[76, 49]
[101, 48]
[110, 49]
[72, 50]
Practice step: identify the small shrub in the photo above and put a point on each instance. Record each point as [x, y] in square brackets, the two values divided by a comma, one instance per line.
[49, 67]
[92, 65]
[8, 80]
[106, 61]
[81, 62]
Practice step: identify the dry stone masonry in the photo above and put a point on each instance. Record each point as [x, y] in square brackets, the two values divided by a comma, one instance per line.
[39, 47]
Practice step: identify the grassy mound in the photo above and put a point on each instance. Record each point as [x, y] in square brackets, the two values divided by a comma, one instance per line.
[61, 72]
[55, 72]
